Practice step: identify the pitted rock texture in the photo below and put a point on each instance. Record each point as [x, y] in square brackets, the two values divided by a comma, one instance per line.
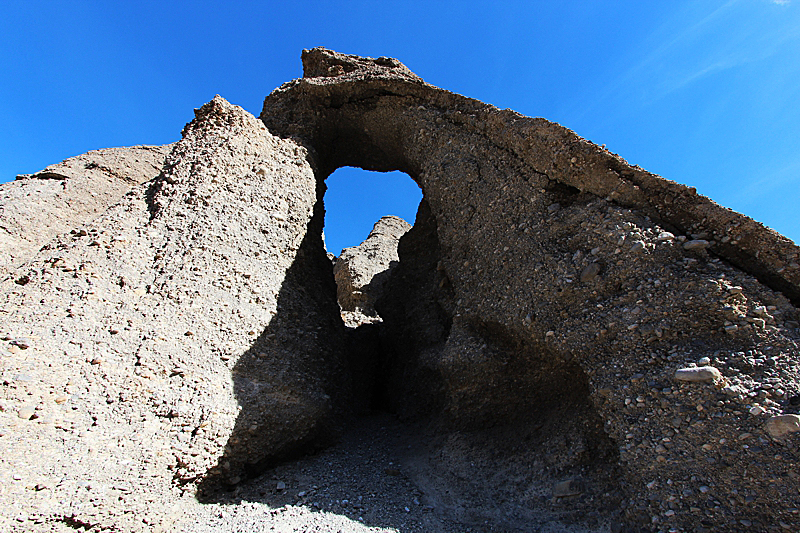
[37, 207]
[557, 276]
[160, 339]
[361, 272]
[544, 300]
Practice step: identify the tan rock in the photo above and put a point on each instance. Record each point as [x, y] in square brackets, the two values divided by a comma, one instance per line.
[65, 196]
[781, 425]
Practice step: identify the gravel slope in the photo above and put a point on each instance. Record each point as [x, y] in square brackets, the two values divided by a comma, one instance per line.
[372, 480]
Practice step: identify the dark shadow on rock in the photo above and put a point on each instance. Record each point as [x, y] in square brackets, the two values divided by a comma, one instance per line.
[417, 313]
[486, 406]
[293, 384]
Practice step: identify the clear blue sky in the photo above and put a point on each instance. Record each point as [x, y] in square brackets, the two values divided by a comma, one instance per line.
[706, 93]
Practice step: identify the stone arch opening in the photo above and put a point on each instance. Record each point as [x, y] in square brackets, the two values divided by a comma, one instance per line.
[366, 215]
[463, 339]
[355, 199]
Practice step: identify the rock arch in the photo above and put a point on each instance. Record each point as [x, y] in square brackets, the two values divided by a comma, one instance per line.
[547, 294]
[556, 261]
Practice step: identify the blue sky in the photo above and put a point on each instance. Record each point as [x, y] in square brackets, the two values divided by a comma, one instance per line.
[701, 92]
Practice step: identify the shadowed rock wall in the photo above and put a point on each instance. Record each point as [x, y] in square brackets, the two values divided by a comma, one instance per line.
[557, 264]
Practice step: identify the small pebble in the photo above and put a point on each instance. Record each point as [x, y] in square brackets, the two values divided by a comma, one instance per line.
[590, 272]
[27, 412]
[698, 244]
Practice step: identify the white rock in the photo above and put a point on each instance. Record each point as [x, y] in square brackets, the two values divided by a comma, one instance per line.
[700, 373]
[698, 244]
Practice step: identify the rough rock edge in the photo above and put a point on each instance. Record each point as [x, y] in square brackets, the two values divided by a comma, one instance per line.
[332, 78]
[61, 190]
[361, 271]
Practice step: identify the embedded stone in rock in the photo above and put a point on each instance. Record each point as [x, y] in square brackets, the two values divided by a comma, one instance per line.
[35, 208]
[698, 244]
[781, 425]
[570, 487]
[361, 272]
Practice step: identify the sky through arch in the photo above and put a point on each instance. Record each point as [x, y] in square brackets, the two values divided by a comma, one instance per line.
[356, 199]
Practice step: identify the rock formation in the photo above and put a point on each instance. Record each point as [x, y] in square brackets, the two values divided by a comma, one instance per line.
[592, 343]
[361, 272]
[37, 207]
[155, 341]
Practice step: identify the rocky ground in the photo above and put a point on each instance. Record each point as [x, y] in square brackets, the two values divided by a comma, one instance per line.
[376, 479]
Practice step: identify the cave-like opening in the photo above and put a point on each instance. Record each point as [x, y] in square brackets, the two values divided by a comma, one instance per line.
[366, 214]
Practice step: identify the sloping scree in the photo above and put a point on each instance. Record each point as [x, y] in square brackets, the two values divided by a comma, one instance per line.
[37, 207]
[543, 304]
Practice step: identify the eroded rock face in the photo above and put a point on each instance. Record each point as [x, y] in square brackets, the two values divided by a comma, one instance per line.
[191, 332]
[566, 299]
[361, 272]
[35, 208]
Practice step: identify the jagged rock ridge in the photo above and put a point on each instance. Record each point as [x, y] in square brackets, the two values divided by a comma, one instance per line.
[542, 303]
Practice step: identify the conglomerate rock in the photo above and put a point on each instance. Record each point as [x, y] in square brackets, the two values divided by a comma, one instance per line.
[549, 300]
[361, 272]
[544, 303]
[176, 340]
[37, 207]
